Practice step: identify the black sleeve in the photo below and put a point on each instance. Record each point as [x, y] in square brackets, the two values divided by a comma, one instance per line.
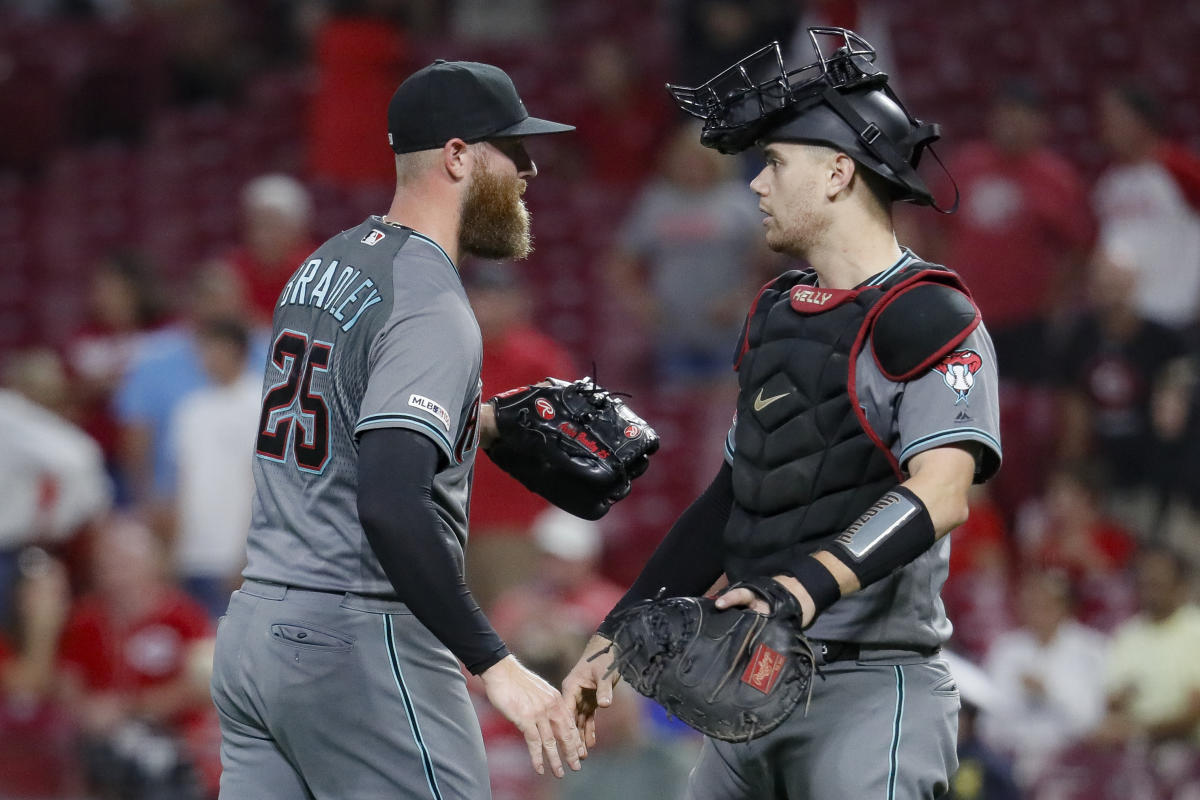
[398, 514]
[690, 558]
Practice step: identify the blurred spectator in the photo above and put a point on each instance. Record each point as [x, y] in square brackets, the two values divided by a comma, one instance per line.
[1110, 365]
[128, 661]
[1153, 678]
[124, 304]
[168, 368]
[1072, 533]
[500, 553]
[546, 622]
[977, 591]
[712, 34]
[39, 375]
[36, 734]
[209, 59]
[52, 481]
[687, 259]
[983, 774]
[360, 53]
[499, 20]
[212, 437]
[1048, 676]
[631, 762]
[1147, 203]
[276, 215]
[1023, 230]
[623, 116]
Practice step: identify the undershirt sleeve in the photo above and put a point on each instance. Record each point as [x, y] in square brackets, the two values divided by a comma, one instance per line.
[689, 559]
[396, 467]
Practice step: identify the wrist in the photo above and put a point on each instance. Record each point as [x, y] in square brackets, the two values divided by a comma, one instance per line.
[500, 669]
[808, 606]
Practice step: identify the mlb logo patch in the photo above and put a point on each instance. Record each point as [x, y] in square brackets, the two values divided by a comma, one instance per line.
[373, 238]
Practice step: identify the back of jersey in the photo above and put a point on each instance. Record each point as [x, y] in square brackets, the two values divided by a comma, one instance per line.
[338, 326]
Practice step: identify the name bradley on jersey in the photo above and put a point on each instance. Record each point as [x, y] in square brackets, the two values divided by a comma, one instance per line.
[329, 294]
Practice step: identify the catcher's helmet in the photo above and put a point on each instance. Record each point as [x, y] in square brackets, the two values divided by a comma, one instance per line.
[842, 100]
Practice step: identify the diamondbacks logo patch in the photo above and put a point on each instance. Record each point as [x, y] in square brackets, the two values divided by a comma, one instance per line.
[763, 670]
[958, 371]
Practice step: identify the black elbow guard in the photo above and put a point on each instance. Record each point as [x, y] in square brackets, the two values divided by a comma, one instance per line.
[889, 534]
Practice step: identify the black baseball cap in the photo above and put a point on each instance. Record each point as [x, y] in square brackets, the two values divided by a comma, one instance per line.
[459, 99]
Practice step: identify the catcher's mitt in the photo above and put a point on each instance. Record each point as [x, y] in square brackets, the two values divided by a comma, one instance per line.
[732, 674]
[575, 444]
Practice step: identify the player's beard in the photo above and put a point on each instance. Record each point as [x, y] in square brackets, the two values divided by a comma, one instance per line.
[495, 221]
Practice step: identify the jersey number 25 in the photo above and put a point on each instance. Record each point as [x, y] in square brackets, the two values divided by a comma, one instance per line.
[292, 404]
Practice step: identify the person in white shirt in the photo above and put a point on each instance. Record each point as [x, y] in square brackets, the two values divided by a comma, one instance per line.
[212, 436]
[1145, 204]
[1049, 677]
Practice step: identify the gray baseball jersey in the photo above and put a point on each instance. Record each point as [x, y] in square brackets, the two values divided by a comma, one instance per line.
[373, 331]
[956, 401]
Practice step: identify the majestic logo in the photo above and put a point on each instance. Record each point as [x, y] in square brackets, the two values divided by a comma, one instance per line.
[544, 408]
[373, 238]
[763, 670]
[812, 296]
[958, 371]
[761, 402]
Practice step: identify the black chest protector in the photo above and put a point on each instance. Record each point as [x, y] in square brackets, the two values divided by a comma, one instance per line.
[806, 460]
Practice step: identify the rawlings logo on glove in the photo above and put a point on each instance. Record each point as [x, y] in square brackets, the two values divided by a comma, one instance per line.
[573, 443]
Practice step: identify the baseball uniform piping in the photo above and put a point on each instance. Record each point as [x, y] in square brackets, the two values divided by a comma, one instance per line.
[894, 751]
[409, 710]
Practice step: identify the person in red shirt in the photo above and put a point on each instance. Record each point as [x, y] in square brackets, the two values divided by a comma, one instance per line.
[276, 215]
[37, 753]
[124, 304]
[546, 621]
[500, 553]
[130, 662]
[1073, 535]
[1023, 231]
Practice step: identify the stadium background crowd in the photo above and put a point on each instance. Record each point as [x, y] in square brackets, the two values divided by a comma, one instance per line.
[164, 166]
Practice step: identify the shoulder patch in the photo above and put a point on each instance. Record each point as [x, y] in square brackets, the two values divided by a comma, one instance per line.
[919, 327]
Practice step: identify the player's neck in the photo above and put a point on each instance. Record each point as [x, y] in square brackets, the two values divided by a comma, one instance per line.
[843, 261]
[438, 221]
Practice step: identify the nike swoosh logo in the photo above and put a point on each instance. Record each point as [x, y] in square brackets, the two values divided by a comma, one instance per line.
[760, 402]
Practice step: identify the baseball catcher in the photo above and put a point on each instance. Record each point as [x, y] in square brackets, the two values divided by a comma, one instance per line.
[574, 443]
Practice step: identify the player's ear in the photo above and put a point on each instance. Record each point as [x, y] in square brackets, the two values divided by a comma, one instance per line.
[457, 158]
[841, 172]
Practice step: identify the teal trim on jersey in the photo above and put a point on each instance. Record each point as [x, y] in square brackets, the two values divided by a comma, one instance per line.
[949, 436]
[894, 751]
[904, 261]
[424, 238]
[367, 423]
[426, 761]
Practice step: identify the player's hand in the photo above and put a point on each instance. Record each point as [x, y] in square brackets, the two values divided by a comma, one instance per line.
[538, 711]
[590, 686]
[745, 597]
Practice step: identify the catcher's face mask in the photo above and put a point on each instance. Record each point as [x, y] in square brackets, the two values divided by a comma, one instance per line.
[841, 100]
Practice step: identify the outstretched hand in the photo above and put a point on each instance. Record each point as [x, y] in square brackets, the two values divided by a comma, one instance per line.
[589, 685]
[538, 711]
